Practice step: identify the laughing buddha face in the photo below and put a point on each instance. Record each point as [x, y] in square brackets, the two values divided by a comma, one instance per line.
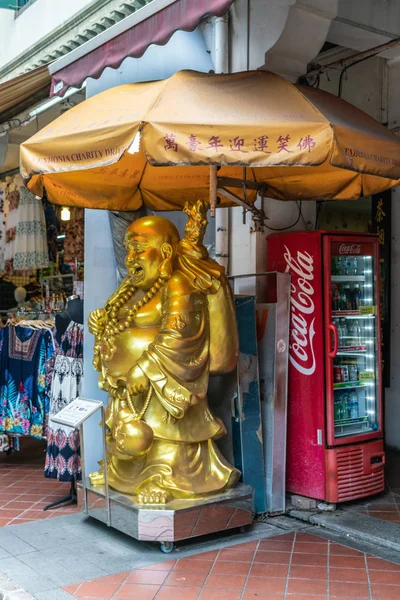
[149, 242]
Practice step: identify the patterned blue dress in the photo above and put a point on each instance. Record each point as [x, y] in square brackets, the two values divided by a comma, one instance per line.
[66, 374]
[24, 404]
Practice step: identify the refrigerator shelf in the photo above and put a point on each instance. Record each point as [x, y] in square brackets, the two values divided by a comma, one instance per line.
[351, 353]
[365, 428]
[355, 348]
[349, 384]
[347, 422]
[346, 278]
[354, 314]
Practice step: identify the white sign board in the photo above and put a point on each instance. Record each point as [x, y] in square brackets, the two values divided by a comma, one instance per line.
[77, 412]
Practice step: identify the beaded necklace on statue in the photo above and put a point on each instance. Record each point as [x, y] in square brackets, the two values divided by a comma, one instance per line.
[114, 328]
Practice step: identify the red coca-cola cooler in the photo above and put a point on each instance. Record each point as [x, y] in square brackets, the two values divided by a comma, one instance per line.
[335, 437]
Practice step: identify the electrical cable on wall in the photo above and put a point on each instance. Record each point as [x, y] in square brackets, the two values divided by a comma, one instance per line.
[344, 72]
[288, 226]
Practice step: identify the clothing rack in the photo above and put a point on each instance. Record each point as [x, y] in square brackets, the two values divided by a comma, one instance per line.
[9, 173]
[72, 498]
[30, 315]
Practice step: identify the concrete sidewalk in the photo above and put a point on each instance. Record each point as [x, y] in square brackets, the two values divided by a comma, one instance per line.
[9, 590]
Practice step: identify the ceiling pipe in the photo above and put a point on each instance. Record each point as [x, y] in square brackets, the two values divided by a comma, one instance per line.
[346, 62]
[221, 29]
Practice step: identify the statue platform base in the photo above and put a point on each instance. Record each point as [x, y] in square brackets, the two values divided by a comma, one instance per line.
[178, 520]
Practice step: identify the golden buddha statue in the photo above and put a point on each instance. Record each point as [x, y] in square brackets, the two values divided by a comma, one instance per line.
[170, 324]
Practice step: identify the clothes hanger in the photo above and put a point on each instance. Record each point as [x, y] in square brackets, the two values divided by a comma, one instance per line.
[18, 181]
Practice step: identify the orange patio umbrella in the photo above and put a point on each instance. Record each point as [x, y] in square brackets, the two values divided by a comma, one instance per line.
[162, 143]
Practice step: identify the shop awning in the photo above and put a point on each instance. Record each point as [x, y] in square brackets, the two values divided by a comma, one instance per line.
[22, 92]
[139, 31]
[160, 144]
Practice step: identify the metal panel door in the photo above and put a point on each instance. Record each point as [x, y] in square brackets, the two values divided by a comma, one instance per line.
[246, 427]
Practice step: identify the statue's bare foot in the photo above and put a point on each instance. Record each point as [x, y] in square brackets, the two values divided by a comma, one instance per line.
[153, 495]
[97, 477]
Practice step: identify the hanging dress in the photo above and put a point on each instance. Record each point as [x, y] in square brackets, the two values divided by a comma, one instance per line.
[52, 229]
[12, 198]
[63, 443]
[4, 204]
[74, 236]
[24, 406]
[30, 247]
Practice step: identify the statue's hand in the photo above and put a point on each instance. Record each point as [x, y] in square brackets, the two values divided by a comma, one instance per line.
[136, 381]
[97, 321]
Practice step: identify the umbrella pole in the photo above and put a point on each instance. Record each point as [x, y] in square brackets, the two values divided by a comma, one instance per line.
[213, 190]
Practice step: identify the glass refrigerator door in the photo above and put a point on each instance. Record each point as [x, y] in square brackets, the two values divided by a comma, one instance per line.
[352, 311]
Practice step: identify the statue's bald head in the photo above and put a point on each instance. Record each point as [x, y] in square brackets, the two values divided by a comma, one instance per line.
[155, 229]
[150, 243]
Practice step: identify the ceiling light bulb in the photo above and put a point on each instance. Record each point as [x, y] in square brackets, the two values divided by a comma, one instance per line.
[65, 214]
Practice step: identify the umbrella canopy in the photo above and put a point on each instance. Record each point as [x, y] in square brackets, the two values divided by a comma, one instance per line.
[295, 142]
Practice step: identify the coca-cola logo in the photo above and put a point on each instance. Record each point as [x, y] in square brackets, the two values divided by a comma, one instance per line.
[302, 329]
[350, 249]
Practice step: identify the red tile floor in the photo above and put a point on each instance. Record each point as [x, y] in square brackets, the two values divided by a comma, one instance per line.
[294, 566]
[24, 491]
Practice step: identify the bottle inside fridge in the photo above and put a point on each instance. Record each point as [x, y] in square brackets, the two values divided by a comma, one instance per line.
[354, 314]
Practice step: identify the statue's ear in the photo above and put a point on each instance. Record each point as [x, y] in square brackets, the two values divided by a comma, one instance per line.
[165, 269]
[166, 250]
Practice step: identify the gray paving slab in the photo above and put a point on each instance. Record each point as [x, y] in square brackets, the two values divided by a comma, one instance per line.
[9, 590]
[12, 543]
[18, 594]
[27, 578]
[42, 534]
[58, 573]
[84, 569]
[55, 594]
[4, 554]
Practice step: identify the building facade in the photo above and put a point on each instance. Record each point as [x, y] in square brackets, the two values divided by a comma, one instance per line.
[289, 37]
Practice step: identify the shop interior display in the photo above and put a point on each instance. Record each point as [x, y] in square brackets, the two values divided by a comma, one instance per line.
[41, 333]
[169, 325]
[66, 371]
[24, 244]
[7, 290]
[73, 312]
[25, 347]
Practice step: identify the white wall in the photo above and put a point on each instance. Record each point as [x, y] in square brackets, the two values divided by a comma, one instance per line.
[375, 88]
[20, 31]
[392, 394]
[279, 35]
[383, 15]
[392, 397]
[248, 248]
[100, 283]
[283, 35]
[363, 85]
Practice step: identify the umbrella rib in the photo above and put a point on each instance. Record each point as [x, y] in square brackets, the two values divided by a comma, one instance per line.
[258, 213]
